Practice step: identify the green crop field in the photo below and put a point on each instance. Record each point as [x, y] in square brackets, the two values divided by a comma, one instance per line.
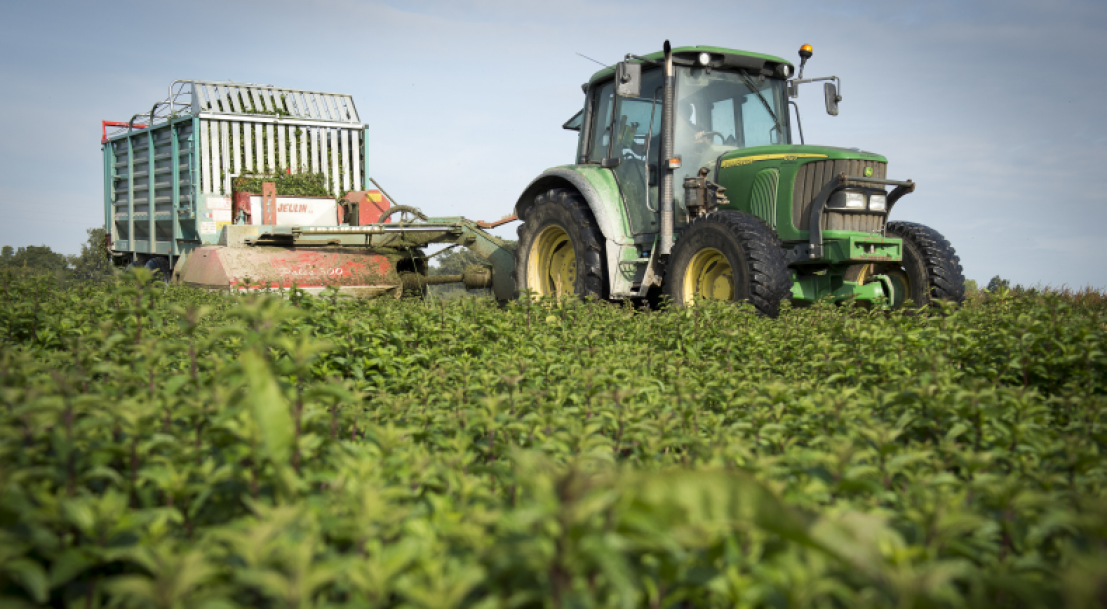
[163, 447]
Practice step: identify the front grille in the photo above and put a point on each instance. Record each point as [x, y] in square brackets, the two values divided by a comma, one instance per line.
[866, 223]
[811, 178]
[763, 195]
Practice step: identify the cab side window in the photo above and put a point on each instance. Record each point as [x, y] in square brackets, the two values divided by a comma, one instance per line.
[603, 103]
[722, 121]
[758, 125]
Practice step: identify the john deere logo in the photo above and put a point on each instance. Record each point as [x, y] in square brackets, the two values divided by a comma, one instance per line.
[868, 172]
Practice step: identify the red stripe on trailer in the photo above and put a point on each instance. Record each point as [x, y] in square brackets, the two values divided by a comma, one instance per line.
[269, 203]
[105, 124]
[359, 272]
[327, 268]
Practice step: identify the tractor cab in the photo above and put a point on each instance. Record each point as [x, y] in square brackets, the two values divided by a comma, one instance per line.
[720, 106]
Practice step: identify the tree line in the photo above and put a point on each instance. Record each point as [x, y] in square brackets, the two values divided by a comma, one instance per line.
[92, 264]
[454, 261]
[94, 261]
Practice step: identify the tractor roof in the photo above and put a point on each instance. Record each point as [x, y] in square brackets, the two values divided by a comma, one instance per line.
[731, 57]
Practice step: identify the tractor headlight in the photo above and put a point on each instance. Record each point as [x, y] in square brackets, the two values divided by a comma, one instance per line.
[878, 202]
[705, 58]
[847, 199]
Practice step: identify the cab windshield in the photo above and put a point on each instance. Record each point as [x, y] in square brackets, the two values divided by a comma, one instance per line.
[720, 111]
[715, 113]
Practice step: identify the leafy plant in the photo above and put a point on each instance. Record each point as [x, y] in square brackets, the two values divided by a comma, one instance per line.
[167, 447]
[286, 183]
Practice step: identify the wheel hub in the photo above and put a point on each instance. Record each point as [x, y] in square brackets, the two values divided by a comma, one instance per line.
[709, 277]
[552, 264]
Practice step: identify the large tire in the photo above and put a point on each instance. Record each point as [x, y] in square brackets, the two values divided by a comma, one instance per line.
[930, 269]
[560, 249]
[159, 267]
[729, 255]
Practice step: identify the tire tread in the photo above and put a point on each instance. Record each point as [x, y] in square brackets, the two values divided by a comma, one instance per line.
[943, 267]
[592, 239]
[770, 279]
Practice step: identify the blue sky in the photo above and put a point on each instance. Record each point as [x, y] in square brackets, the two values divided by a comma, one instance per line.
[994, 108]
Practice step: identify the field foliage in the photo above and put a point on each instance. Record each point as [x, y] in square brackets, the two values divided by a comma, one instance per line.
[162, 447]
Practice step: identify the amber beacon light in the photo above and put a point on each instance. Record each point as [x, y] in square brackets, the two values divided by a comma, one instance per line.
[805, 53]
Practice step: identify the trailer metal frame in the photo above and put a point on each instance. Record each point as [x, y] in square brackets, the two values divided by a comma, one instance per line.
[168, 172]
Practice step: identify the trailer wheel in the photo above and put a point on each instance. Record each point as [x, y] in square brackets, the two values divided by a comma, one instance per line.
[159, 267]
[930, 269]
[560, 249]
[732, 256]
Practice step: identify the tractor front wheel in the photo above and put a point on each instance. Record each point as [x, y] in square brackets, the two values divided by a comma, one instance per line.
[560, 251]
[930, 269]
[732, 256]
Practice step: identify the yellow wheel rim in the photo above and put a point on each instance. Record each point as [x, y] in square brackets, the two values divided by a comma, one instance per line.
[900, 276]
[864, 274]
[552, 264]
[709, 277]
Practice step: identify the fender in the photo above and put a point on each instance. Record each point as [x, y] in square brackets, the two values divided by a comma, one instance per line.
[599, 189]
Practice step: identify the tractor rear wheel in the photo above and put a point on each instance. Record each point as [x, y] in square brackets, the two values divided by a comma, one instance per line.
[728, 255]
[930, 269]
[560, 251]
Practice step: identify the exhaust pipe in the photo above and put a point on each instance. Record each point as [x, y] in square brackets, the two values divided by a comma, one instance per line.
[666, 154]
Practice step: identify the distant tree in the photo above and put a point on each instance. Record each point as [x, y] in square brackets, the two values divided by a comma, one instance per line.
[33, 259]
[455, 261]
[997, 283]
[94, 262]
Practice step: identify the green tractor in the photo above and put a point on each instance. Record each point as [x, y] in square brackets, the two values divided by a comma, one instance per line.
[687, 183]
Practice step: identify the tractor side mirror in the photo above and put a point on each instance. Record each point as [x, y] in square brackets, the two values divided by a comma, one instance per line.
[628, 79]
[832, 98]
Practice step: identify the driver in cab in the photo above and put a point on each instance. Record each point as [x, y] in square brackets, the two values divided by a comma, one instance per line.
[694, 137]
[687, 112]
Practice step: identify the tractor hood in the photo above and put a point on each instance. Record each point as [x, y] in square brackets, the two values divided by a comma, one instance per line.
[779, 184]
[794, 154]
